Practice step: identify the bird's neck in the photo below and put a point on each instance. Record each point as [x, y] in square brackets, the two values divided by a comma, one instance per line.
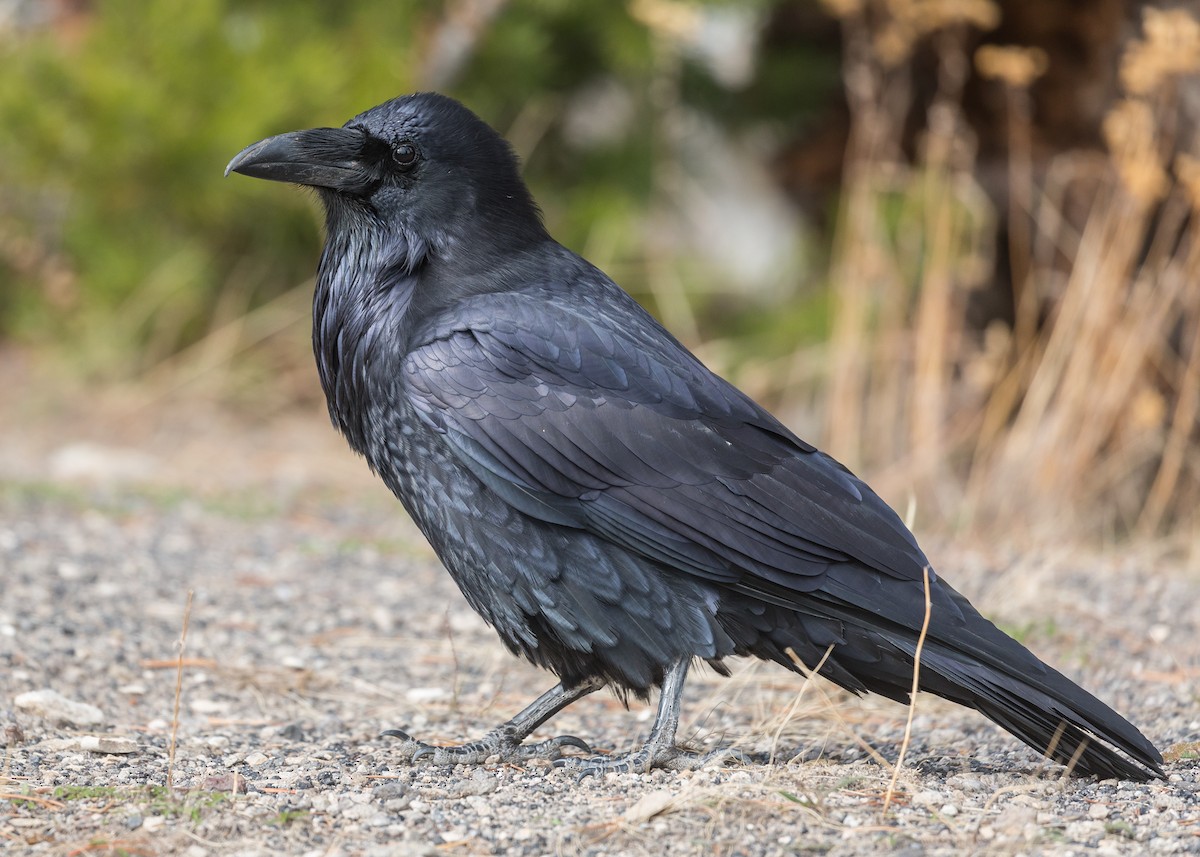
[377, 282]
[361, 322]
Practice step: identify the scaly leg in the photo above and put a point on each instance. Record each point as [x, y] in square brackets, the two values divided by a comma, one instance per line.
[504, 742]
[659, 751]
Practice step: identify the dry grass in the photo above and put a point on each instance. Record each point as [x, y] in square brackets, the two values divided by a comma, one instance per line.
[1084, 410]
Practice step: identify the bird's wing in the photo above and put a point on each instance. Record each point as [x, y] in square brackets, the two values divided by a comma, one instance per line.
[588, 414]
[584, 412]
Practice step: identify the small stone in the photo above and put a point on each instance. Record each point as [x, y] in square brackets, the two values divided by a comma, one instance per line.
[1098, 810]
[108, 744]
[389, 791]
[359, 811]
[256, 758]
[53, 706]
[1082, 831]
[133, 822]
[424, 694]
[928, 798]
[966, 783]
[649, 805]
[208, 706]
[70, 571]
[292, 732]
[949, 810]
[153, 823]
[11, 735]
[232, 782]
[58, 745]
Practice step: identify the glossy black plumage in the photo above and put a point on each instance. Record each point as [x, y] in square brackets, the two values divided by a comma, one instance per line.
[609, 505]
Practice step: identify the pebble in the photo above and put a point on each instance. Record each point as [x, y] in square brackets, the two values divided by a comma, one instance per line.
[53, 706]
[108, 744]
[928, 798]
[966, 783]
[649, 805]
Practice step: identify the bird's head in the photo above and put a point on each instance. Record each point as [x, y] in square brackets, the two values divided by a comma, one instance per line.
[422, 169]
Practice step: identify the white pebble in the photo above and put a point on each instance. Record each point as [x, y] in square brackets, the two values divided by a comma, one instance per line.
[54, 706]
[424, 694]
[107, 744]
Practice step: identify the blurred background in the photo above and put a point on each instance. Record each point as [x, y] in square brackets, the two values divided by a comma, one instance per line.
[951, 241]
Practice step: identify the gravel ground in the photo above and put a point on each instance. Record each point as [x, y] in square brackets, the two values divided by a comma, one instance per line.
[320, 618]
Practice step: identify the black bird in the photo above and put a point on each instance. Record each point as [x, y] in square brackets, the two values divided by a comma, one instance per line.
[609, 505]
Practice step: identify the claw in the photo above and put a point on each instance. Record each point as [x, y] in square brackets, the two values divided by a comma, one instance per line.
[397, 733]
[423, 751]
[572, 741]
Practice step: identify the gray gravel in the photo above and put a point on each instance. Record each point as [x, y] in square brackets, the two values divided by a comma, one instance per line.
[320, 619]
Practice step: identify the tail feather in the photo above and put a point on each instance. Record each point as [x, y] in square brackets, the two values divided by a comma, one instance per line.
[968, 660]
[1048, 712]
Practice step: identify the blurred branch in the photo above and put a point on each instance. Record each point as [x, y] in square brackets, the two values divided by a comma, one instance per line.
[453, 40]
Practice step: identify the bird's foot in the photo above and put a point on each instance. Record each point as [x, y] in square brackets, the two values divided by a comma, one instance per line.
[649, 757]
[499, 746]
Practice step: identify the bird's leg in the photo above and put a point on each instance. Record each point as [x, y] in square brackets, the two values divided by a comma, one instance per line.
[504, 742]
[660, 750]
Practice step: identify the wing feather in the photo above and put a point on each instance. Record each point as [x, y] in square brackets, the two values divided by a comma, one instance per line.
[593, 423]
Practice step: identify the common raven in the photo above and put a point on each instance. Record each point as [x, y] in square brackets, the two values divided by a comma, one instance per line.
[609, 505]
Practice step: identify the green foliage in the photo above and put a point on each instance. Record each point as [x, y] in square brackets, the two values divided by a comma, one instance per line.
[124, 134]
[118, 234]
[287, 816]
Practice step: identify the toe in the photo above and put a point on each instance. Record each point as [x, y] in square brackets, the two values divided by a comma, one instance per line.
[647, 759]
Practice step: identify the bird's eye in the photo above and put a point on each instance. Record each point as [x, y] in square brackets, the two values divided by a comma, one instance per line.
[405, 155]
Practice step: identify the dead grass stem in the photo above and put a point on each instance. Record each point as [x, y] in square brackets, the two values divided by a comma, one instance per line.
[912, 694]
[187, 618]
[1084, 409]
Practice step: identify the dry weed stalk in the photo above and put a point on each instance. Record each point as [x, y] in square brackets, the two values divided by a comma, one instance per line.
[1099, 380]
[187, 618]
[1017, 68]
[1090, 401]
[912, 694]
[811, 675]
[906, 235]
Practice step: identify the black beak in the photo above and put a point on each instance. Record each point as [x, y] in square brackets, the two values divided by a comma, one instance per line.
[323, 157]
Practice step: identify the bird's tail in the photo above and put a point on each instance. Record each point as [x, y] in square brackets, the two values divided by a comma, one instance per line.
[975, 664]
[1044, 709]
